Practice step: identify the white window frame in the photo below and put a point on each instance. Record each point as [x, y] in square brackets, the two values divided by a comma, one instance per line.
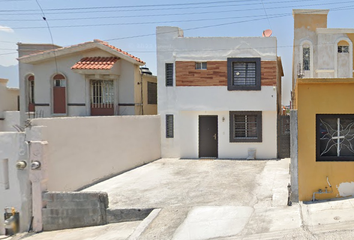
[201, 65]
[307, 44]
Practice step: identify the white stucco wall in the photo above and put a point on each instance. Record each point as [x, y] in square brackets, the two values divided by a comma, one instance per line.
[82, 151]
[12, 149]
[326, 62]
[186, 103]
[11, 118]
[8, 102]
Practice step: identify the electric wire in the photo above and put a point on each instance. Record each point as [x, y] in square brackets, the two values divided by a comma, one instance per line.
[95, 11]
[51, 36]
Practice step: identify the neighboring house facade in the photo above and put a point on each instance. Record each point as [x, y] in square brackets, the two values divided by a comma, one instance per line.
[323, 83]
[219, 97]
[87, 79]
[9, 105]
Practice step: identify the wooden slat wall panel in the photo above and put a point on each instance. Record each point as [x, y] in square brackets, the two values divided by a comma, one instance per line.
[269, 73]
[216, 74]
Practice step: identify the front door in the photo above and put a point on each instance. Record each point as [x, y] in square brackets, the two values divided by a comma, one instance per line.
[208, 136]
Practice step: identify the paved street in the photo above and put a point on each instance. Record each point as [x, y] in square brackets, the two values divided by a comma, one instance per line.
[214, 199]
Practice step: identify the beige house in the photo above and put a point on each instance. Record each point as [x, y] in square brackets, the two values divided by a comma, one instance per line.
[87, 79]
[8, 106]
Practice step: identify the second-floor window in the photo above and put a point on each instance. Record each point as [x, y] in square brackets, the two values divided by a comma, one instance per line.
[201, 65]
[169, 74]
[244, 73]
[306, 58]
[152, 93]
[343, 49]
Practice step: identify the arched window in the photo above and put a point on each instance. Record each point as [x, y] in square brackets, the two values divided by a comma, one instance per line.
[59, 94]
[343, 60]
[30, 93]
[306, 58]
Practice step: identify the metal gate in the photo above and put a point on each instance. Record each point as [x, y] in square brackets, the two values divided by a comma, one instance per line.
[283, 136]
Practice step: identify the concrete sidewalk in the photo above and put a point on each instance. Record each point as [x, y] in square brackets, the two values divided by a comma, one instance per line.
[219, 199]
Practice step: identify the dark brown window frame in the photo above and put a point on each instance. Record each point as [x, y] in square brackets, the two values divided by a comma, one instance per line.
[318, 136]
[231, 86]
[259, 126]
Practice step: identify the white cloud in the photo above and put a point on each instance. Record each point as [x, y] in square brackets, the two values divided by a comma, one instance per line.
[6, 29]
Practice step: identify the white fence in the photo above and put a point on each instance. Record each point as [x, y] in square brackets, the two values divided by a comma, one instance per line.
[83, 150]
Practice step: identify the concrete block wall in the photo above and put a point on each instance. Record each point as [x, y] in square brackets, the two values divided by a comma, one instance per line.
[64, 210]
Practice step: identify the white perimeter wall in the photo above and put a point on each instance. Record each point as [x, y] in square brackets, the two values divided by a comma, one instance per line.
[83, 150]
[12, 149]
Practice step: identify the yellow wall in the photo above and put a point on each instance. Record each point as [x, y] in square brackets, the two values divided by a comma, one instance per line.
[149, 109]
[310, 21]
[321, 96]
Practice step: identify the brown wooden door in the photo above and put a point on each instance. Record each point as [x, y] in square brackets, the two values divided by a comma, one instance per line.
[208, 136]
[59, 96]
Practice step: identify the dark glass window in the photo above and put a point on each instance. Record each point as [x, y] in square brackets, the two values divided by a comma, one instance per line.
[152, 93]
[169, 126]
[244, 73]
[246, 126]
[334, 137]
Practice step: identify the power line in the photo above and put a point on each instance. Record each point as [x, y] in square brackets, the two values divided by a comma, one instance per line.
[266, 14]
[142, 23]
[133, 6]
[223, 24]
[160, 15]
[50, 33]
[165, 22]
[93, 10]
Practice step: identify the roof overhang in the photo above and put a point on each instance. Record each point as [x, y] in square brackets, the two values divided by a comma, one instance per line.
[60, 52]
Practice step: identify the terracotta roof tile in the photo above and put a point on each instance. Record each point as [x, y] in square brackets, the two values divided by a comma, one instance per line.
[119, 50]
[95, 63]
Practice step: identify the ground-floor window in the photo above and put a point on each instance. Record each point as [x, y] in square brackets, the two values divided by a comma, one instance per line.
[102, 92]
[169, 126]
[335, 137]
[246, 126]
[102, 97]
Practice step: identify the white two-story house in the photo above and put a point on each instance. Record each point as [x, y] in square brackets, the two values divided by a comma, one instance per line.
[218, 97]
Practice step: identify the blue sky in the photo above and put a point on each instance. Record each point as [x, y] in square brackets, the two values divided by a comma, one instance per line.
[131, 25]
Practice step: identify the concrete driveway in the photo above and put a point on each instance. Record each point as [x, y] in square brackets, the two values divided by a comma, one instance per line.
[205, 199]
[202, 199]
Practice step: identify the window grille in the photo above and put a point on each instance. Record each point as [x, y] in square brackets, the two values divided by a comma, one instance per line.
[343, 49]
[169, 74]
[152, 93]
[169, 126]
[102, 93]
[335, 137]
[244, 73]
[246, 126]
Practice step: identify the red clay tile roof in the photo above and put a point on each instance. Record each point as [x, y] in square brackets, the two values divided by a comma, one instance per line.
[95, 63]
[119, 50]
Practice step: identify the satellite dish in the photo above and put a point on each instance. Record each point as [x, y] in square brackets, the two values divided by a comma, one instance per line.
[267, 33]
